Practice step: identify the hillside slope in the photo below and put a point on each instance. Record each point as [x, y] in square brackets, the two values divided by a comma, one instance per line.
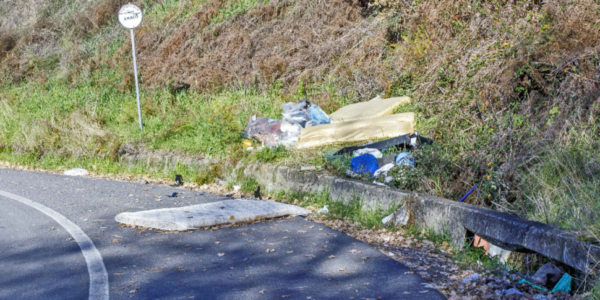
[508, 89]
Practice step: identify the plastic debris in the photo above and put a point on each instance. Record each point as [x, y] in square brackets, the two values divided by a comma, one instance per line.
[364, 164]
[295, 113]
[76, 172]
[357, 131]
[548, 275]
[398, 143]
[265, 130]
[467, 194]
[178, 180]
[247, 143]
[383, 172]
[478, 242]
[502, 254]
[564, 284]
[405, 159]
[317, 116]
[522, 281]
[371, 151]
[324, 210]
[387, 159]
[376, 107]
[257, 193]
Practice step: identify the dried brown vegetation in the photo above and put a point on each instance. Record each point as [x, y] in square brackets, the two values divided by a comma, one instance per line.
[282, 40]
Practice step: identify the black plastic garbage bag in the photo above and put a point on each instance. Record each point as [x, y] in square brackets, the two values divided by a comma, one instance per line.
[401, 142]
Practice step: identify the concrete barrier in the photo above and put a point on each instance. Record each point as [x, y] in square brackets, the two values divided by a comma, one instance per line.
[441, 215]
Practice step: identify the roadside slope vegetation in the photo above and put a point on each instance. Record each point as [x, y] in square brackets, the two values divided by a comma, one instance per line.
[508, 89]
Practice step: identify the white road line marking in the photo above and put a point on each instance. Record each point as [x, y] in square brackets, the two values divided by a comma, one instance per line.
[95, 265]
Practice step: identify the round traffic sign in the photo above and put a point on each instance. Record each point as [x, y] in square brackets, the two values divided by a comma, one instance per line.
[130, 16]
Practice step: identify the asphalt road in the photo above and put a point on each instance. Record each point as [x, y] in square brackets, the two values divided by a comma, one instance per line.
[289, 258]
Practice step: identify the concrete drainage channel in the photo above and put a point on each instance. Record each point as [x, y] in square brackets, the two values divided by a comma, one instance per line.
[443, 216]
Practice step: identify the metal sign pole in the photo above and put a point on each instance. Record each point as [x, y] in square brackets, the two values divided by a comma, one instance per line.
[137, 86]
[130, 16]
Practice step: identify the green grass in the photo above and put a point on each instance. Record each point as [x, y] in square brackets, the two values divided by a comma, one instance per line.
[351, 211]
[104, 166]
[564, 186]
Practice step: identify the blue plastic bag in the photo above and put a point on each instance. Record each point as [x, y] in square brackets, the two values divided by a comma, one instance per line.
[364, 164]
[563, 285]
[317, 115]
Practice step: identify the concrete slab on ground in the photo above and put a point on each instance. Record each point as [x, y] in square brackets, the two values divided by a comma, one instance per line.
[209, 214]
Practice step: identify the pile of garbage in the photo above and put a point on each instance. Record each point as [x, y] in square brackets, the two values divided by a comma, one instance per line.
[305, 125]
[376, 160]
[286, 132]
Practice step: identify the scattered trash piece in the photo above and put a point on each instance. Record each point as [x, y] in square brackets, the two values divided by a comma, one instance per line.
[265, 130]
[174, 195]
[405, 159]
[386, 159]
[373, 108]
[76, 172]
[502, 254]
[478, 242]
[295, 113]
[548, 275]
[383, 172]
[525, 281]
[564, 284]
[364, 164]
[371, 151]
[398, 143]
[472, 278]
[467, 195]
[257, 193]
[237, 188]
[247, 143]
[209, 214]
[178, 180]
[317, 116]
[356, 131]
[324, 210]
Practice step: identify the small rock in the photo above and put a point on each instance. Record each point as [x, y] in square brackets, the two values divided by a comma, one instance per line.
[472, 278]
[512, 291]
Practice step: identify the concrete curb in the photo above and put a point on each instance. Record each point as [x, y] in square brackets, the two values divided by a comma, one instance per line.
[441, 215]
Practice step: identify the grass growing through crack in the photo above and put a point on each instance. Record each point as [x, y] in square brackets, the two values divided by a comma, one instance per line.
[351, 211]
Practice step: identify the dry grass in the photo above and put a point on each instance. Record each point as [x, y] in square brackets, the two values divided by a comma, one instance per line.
[287, 41]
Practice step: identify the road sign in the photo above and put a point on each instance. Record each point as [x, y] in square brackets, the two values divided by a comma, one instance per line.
[130, 17]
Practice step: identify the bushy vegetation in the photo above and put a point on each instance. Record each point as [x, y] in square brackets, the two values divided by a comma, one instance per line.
[508, 89]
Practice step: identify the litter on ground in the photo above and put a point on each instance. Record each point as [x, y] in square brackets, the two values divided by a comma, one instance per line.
[376, 107]
[356, 131]
[76, 172]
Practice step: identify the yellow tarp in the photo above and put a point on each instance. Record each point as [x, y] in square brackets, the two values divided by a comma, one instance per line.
[362, 130]
[374, 108]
